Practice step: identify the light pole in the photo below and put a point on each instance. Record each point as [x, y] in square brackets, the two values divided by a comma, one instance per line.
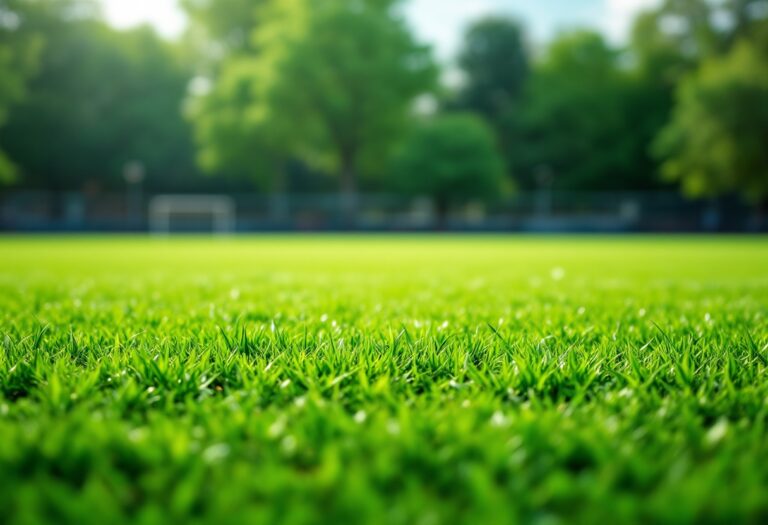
[134, 174]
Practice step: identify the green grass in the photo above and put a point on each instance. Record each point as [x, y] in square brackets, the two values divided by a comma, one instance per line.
[393, 380]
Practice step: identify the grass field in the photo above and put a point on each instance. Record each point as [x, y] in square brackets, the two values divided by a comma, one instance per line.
[418, 380]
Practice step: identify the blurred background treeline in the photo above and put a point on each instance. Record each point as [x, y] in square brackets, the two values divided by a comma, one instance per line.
[301, 97]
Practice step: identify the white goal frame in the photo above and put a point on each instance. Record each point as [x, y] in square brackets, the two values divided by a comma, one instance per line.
[220, 208]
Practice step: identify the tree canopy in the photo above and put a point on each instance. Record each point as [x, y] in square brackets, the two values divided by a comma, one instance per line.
[302, 95]
[20, 47]
[717, 140]
[574, 120]
[100, 98]
[227, 24]
[331, 83]
[453, 159]
[495, 62]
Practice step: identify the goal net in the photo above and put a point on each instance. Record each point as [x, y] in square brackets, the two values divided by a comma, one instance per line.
[191, 213]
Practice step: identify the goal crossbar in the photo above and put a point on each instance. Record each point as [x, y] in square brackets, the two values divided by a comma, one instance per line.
[219, 207]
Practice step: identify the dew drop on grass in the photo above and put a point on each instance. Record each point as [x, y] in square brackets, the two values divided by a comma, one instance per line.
[137, 434]
[288, 444]
[498, 419]
[626, 393]
[276, 428]
[717, 432]
[216, 453]
[518, 457]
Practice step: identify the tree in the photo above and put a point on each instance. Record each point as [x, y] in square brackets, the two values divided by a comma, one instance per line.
[234, 137]
[351, 80]
[101, 98]
[19, 53]
[496, 67]
[332, 83]
[227, 25]
[716, 141]
[670, 47]
[670, 41]
[576, 121]
[453, 159]
[677, 35]
[495, 63]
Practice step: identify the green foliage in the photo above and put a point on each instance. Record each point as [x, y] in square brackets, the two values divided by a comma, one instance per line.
[231, 132]
[100, 98]
[659, 56]
[332, 83]
[350, 380]
[716, 141]
[453, 159]
[290, 87]
[674, 38]
[19, 53]
[669, 45]
[575, 121]
[495, 62]
[226, 24]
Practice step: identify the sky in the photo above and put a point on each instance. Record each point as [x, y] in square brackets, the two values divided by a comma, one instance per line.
[440, 22]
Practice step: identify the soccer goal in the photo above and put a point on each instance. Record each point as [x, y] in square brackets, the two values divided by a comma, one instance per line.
[191, 213]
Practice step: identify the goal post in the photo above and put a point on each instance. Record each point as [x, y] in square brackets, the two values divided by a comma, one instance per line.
[164, 210]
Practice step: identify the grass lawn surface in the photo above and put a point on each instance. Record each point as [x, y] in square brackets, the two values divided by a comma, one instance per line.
[403, 380]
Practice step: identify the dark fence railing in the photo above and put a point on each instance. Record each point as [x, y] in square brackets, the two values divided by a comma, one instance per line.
[27, 211]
